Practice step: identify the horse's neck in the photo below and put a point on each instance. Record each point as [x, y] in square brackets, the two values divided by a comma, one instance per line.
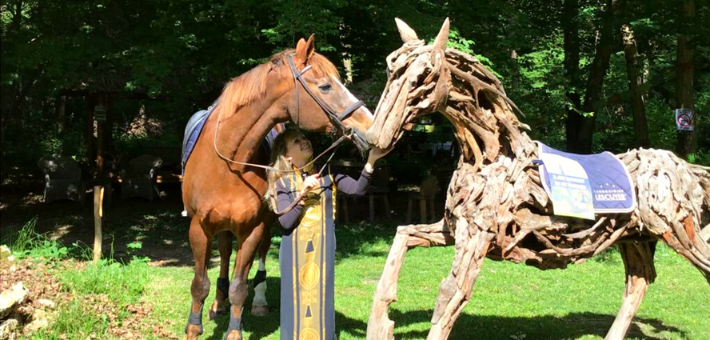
[240, 135]
[502, 137]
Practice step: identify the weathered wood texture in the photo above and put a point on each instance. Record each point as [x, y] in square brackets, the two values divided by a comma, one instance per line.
[496, 206]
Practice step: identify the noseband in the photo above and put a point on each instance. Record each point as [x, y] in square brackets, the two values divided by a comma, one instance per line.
[335, 118]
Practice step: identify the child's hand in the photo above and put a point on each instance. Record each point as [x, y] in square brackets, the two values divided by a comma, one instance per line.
[311, 182]
[377, 153]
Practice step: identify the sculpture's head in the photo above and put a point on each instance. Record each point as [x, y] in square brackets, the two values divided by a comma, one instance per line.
[417, 85]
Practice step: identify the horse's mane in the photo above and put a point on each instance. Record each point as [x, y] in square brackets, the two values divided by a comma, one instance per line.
[251, 86]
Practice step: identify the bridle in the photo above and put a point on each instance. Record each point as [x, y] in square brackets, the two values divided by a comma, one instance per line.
[335, 118]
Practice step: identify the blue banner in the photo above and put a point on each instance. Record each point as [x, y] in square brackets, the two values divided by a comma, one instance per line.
[571, 179]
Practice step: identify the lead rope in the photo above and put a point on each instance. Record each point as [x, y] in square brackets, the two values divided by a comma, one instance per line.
[270, 168]
[300, 195]
[348, 132]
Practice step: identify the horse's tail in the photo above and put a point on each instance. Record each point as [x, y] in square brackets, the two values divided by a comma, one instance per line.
[673, 202]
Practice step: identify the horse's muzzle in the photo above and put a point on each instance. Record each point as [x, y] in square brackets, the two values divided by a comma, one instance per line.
[360, 141]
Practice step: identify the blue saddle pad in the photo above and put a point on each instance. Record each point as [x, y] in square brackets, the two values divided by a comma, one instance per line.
[582, 185]
[194, 129]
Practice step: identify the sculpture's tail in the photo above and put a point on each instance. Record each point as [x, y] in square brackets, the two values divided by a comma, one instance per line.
[703, 174]
[673, 202]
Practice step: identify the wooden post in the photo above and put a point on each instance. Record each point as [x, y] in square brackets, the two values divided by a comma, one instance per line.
[100, 117]
[98, 221]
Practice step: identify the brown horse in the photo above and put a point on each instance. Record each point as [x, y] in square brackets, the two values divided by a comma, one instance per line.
[223, 195]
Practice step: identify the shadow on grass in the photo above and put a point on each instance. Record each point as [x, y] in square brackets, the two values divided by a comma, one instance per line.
[494, 327]
[258, 326]
[488, 327]
[157, 225]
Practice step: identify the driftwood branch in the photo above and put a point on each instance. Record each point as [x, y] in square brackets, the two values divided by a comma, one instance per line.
[496, 206]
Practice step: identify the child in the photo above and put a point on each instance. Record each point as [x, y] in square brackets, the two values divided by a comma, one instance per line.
[307, 253]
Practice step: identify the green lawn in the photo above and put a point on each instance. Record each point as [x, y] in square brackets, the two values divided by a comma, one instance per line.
[509, 302]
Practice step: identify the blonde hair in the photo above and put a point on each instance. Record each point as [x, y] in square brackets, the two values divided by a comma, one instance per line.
[281, 163]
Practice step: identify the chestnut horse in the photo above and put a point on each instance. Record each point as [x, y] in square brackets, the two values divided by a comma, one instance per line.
[222, 193]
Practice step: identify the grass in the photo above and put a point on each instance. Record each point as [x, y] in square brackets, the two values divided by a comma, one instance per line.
[26, 242]
[109, 282]
[99, 296]
[509, 301]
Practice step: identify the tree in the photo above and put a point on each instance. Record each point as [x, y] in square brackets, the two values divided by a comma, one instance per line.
[687, 140]
[593, 97]
[570, 29]
[635, 81]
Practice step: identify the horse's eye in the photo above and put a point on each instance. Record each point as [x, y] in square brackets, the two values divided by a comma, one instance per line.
[325, 88]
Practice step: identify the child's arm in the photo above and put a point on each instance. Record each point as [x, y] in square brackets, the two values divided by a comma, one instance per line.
[350, 186]
[290, 219]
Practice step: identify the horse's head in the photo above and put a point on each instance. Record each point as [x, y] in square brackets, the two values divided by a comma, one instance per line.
[317, 100]
[418, 84]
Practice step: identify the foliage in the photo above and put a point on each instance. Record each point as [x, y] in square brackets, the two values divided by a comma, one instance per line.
[162, 61]
[26, 242]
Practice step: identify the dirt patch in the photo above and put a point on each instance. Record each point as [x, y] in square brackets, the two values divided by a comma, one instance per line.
[37, 277]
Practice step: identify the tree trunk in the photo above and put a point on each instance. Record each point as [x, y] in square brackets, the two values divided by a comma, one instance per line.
[91, 101]
[593, 98]
[687, 140]
[103, 103]
[638, 108]
[570, 29]
[61, 115]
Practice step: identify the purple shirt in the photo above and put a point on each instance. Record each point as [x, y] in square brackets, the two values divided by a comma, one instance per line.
[343, 183]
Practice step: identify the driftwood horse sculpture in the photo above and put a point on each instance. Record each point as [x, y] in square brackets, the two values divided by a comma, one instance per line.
[222, 194]
[496, 206]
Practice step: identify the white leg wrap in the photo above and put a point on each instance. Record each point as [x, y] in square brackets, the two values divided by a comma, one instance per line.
[260, 295]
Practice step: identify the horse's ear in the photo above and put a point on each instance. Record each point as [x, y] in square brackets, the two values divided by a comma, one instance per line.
[305, 49]
[405, 32]
[443, 37]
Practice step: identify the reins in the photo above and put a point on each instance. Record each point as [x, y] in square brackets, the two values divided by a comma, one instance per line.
[347, 131]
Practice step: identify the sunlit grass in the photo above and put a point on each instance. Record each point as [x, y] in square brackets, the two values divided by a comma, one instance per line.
[510, 301]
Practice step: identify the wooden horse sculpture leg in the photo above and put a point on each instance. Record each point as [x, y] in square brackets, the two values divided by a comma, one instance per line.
[640, 272]
[379, 326]
[454, 291]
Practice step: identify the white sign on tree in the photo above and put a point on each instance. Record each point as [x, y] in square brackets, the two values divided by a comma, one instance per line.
[684, 119]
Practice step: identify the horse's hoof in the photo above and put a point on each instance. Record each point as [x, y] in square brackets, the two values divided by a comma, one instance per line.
[213, 314]
[192, 332]
[262, 310]
[218, 309]
[233, 335]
